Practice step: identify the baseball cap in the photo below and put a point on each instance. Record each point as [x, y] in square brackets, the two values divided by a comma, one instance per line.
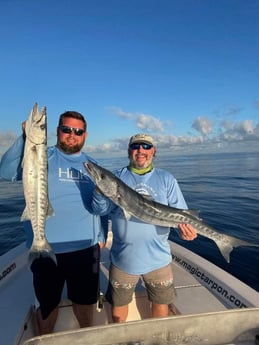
[141, 138]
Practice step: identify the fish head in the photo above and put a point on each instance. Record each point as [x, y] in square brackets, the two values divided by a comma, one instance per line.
[103, 178]
[36, 126]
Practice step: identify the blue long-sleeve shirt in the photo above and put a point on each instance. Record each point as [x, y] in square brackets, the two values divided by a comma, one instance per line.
[138, 247]
[74, 225]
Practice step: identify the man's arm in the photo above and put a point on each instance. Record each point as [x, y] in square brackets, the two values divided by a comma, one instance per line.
[11, 162]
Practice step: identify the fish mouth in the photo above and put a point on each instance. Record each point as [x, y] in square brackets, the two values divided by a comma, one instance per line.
[89, 167]
[97, 173]
[41, 121]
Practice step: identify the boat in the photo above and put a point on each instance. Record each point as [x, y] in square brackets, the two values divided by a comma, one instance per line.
[211, 307]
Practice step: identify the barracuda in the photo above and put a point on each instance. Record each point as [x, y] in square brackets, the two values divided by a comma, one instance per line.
[35, 182]
[149, 211]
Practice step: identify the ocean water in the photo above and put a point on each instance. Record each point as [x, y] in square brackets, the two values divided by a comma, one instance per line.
[223, 187]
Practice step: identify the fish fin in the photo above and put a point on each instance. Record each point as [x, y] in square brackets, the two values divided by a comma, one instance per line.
[193, 213]
[50, 211]
[25, 215]
[126, 214]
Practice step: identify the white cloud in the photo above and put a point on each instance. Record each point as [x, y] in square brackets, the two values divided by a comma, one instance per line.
[212, 136]
[145, 122]
[122, 114]
[240, 131]
[149, 123]
[245, 127]
[203, 125]
[227, 124]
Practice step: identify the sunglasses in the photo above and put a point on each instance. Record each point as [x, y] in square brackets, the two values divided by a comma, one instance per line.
[136, 146]
[69, 130]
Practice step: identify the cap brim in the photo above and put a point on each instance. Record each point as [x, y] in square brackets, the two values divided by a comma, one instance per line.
[142, 141]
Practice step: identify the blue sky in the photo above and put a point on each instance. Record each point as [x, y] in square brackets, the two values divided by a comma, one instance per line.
[184, 71]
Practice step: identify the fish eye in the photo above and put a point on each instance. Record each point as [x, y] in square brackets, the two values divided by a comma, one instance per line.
[42, 126]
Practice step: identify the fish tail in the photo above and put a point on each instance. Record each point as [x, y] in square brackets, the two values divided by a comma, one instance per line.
[43, 253]
[226, 249]
[241, 243]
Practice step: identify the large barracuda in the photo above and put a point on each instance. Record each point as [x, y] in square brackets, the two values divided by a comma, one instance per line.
[35, 182]
[149, 211]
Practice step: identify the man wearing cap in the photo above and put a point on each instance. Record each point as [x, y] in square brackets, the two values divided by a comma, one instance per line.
[140, 249]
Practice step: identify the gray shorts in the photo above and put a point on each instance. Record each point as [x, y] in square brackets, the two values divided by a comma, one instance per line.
[159, 285]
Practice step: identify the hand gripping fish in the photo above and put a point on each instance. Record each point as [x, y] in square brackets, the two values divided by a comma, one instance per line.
[35, 182]
[149, 211]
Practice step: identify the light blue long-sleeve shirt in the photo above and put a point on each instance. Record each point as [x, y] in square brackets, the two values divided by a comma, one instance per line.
[138, 247]
[73, 225]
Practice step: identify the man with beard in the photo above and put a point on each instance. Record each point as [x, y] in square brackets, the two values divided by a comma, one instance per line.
[74, 232]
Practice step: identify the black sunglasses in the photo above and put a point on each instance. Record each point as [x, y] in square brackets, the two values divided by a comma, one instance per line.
[136, 146]
[69, 130]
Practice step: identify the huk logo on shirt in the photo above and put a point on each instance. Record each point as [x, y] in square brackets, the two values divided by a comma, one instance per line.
[71, 175]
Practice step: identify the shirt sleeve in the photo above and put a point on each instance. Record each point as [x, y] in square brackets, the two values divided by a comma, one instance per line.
[101, 205]
[11, 162]
[104, 227]
[175, 196]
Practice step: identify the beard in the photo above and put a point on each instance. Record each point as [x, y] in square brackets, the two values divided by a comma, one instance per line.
[63, 146]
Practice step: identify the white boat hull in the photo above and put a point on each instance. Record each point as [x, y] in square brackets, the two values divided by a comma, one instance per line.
[201, 288]
[236, 326]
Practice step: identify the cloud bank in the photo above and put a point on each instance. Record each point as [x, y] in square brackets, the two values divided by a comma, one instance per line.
[205, 135]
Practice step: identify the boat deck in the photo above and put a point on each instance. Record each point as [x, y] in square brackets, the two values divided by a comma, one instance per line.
[192, 298]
